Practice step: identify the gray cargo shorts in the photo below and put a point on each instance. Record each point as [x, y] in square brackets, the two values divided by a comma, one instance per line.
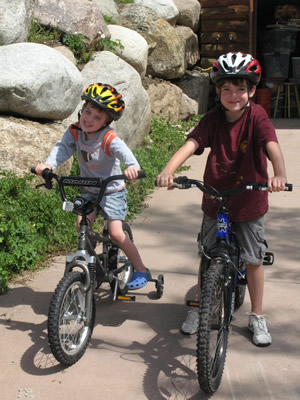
[249, 234]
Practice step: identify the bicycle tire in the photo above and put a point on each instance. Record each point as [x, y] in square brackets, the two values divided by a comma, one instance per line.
[69, 327]
[212, 333]
[116, 258]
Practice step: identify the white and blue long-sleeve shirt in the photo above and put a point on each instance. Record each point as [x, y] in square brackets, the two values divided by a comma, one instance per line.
[98, 157]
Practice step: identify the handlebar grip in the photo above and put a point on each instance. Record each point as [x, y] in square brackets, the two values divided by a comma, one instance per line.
[289, 187]
[32, 170]
[141, 174]
[45, 173]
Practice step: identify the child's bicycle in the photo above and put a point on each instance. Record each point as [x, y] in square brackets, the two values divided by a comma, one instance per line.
[223, 286]
[71, 315]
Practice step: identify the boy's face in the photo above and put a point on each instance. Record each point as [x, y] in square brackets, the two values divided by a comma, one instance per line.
[235, 97]
[92, 119]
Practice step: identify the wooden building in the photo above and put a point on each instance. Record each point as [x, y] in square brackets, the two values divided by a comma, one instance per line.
[234, 25]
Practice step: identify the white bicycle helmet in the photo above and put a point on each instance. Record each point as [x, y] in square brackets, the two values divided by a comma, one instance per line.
[236, 65]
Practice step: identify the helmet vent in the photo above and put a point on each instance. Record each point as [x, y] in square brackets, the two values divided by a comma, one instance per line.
[225, 65]
[241, 64]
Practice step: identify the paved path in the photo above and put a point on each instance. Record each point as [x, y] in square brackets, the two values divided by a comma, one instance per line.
[136, 351]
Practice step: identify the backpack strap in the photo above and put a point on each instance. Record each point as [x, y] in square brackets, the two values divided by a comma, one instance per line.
[107, 139]
[74, 130]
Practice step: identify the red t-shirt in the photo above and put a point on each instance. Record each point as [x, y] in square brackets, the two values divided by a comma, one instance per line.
[237, 156]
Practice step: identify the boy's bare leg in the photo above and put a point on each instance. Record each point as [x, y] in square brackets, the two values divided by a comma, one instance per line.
[122, 240]
[255, 282]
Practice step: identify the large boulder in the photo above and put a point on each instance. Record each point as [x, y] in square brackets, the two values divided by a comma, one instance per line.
[26, 143]
[168, 100]
[38, 82]
[166, 58]
[189, 13]
[15, 20]
[71, 16]
[166, 9]
[107, 67]
[109, 10]
[192, 53]
[195, 84]
[134, 47]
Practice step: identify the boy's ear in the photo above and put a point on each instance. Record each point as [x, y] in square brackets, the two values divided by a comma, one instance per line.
[252, 91]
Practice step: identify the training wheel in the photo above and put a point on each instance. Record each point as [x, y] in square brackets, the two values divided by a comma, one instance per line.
[159, 286]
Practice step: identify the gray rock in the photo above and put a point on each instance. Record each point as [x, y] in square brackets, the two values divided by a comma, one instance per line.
[166, 46]
[192, 53]
[15, 20]
[135, 47]
[189, 13]
[71, 16]
[166, 9]
[37, 82]
[109, 9]
[195, 84]
[26, 143]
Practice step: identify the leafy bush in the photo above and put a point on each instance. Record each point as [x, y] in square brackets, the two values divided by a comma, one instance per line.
[33, 226]
[41, 34]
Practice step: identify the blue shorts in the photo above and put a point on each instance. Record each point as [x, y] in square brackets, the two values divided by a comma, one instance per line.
[113, 206]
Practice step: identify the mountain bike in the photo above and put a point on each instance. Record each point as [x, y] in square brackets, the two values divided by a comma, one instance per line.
[71, 315]
[223, 285]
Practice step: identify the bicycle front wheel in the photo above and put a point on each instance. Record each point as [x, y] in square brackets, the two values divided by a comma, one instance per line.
[70, 323]
[212, 334]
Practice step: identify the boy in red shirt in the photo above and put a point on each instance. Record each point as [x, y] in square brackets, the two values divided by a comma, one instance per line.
[241, 137]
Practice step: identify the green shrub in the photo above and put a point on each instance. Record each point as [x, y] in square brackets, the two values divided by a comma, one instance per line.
[42, 34]
[33, 226]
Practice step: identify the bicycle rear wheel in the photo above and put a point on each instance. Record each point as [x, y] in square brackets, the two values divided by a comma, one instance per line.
[116, 259]
[212, 334]
[69, 325]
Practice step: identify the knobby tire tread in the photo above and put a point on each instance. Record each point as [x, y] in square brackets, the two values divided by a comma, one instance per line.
[54, 316]
[209, 381]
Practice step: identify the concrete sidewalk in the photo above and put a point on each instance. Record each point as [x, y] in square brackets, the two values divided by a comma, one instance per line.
[137, 351]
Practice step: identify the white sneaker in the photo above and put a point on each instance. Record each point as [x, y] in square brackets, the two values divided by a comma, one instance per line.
[190, 325]
[257, 324]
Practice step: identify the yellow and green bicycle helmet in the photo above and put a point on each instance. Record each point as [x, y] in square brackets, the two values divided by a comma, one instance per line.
[105, 97]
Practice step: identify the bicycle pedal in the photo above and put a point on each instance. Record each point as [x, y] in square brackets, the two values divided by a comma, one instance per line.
[126, 298]
[268, 258]
[192, 303]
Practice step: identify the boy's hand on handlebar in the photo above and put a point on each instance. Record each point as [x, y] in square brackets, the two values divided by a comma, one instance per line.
[165, 180]
[277, 183]
[40, 168]
[131, 173]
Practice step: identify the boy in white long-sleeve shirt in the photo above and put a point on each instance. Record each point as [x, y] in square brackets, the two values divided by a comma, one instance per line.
[100, 152]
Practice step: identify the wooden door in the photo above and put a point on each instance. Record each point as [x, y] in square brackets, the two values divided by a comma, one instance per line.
[226, 25]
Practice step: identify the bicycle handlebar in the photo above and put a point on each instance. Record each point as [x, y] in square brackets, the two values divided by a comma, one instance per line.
[63, 181]
[183, 182]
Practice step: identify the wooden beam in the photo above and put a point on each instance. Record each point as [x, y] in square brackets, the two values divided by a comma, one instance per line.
[233, 12]
[224, 37]
[211, 50]
[222, 3]
[224, 26]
